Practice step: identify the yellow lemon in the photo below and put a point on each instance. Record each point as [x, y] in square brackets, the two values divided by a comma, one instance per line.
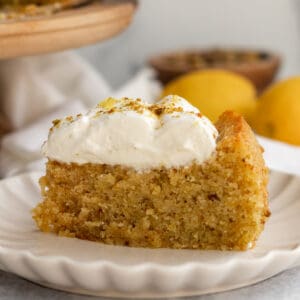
[277, 113]
[214, 91]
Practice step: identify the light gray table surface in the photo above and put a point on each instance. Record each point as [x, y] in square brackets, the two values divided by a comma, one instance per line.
[284, 286]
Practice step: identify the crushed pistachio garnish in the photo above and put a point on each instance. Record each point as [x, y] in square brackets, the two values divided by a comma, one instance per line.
[69, 119]
[108, 104]
[55, 124]
[112, 105]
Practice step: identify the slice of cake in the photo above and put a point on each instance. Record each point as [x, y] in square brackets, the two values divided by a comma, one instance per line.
[162, 175]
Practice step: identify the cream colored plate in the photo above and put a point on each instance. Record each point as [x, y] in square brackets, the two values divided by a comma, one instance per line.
[71, 28]
[96, 269]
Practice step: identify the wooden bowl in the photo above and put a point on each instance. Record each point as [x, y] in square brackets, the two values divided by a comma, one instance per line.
[258, 66]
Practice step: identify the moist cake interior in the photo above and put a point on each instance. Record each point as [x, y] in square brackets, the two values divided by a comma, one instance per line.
[220, 204]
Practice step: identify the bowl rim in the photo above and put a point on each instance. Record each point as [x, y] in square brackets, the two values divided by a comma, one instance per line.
[159, 61]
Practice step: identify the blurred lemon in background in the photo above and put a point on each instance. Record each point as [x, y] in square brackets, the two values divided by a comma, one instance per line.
[277, 113]
[214, 91]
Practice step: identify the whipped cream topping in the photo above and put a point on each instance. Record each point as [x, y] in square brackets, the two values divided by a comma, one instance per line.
[131, 133]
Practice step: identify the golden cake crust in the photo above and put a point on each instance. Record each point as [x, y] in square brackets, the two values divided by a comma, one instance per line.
[221, 204]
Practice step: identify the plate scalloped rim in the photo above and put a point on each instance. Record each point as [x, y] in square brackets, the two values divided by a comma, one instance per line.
[64, 263]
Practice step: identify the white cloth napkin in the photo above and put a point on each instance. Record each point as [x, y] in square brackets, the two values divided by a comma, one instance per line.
[31, 87]
[37, 90]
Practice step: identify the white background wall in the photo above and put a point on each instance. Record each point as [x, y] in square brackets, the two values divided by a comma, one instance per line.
[161, 25]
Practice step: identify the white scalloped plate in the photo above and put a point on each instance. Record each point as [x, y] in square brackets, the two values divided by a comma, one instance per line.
[96, 269]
